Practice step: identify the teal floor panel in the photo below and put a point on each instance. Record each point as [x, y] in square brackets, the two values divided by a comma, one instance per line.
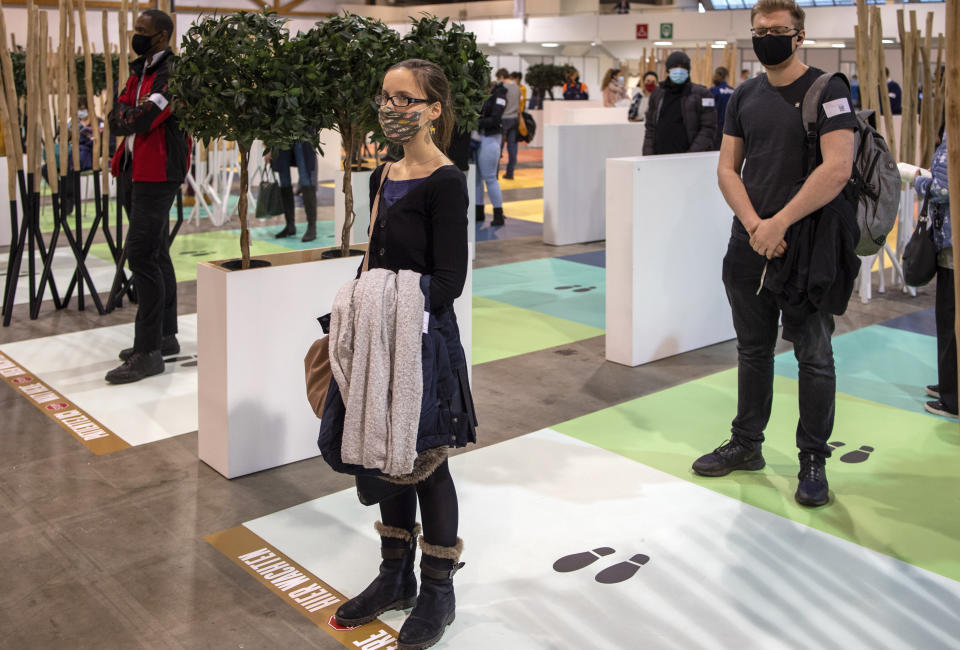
[881, 364]
[551, 286]
[324, 238]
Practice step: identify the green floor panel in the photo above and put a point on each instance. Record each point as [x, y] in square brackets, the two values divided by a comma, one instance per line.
[324, 239]
[902, 499]
[880, 364]
[501, 331]
[555, 287]
[187, 250]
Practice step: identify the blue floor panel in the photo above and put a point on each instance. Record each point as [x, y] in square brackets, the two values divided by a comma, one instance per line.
[919, 322]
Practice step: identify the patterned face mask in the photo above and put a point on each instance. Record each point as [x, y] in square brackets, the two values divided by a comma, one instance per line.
[398, 126]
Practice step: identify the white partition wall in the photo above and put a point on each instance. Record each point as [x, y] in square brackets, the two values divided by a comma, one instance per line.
[554, 110]
[591, 115]
[573, 177]
[667, 232]
[5, 232]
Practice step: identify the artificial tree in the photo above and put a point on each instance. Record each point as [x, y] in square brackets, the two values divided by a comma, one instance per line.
[455, 51]
[239, 78]
[354, 53]
[543, 77]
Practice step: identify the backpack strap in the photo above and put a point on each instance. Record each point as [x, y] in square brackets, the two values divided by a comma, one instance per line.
[808, 113]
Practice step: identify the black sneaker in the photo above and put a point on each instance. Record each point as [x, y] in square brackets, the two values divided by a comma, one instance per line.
[812, 490]
[937, 407]
[933, 391]
[169, 346]
[728, 457]
[139, 366]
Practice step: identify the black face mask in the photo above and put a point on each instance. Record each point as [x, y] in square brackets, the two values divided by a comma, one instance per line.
[773, 50]
[142, 43]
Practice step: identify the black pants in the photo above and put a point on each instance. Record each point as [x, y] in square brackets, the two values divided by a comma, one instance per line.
[755, 319]
[438, 507]
[148, 254]
[946, 339]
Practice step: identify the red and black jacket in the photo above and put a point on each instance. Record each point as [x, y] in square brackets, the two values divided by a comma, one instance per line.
[161, 151]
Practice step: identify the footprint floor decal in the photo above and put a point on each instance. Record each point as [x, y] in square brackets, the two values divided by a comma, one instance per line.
[854, 456]
[616, 573]
[188, 361]
[576, 288]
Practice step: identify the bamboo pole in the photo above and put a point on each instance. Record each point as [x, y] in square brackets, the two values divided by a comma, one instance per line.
[927, 134]
[88, 81]
[862, 38]
[74, 87]
[13, 105]
[124, 71]
[953, 126]
[877, 36]
[107, 107]
[939, 86]
[10, 149]
[63, 52]
[32, 91]
[909, 105]
[45, 122]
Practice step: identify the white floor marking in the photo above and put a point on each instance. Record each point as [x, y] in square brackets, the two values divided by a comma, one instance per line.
[722, 574]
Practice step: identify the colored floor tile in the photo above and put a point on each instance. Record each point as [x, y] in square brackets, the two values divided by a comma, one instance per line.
[919, 322]
[64, 266]
[511, 229]
[678, 566]
[266, 234]
[881, 364]
[501, 331]
[554, 287]
[526, 210]
[522, 178]
[187, 250]
[596, 258]
[894, 482]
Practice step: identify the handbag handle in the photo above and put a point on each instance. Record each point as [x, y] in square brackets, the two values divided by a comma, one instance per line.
[374, 209]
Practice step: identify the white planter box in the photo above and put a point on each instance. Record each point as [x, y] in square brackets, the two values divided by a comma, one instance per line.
[254, 328]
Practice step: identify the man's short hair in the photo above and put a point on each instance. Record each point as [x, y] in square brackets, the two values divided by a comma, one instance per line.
[160, 20]
[503, 73]
[516, 75]
[772, 6]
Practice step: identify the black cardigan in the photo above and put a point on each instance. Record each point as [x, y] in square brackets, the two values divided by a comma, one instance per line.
[426, 231]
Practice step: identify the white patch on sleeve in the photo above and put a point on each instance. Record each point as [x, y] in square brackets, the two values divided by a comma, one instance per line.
[426, 322]
[159, 100]
[501, 101]
[707, 101]
[836, 107]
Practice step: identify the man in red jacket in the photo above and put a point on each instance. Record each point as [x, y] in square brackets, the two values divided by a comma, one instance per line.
[150, 164]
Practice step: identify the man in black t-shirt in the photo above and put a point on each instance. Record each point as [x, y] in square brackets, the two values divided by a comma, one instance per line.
[763, 128]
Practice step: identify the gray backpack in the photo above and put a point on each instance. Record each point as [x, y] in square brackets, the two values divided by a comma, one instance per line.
[874, 184]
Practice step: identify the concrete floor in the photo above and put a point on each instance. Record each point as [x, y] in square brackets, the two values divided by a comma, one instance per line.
[108, 551]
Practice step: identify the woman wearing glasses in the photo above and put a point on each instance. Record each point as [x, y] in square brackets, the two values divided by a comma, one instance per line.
[421, 225]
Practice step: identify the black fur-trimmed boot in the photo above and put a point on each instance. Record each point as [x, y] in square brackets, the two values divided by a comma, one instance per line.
[436, 604]
[479, 212]
[395, 587]
[289, 213]
[497, 217]
[309, 195]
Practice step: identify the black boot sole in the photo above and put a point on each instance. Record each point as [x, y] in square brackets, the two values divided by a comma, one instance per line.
[131, 379]
[431, 642]
[407, 603]
[812, 503]
[749, 466]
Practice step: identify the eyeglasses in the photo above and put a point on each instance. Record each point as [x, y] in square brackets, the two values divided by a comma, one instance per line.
[398, 101]
[776, 30]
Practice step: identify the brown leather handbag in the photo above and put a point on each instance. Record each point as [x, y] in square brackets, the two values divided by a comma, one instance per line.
[316, 363]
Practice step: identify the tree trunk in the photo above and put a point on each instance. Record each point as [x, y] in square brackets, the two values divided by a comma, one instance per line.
[347, 194]
[242, 207]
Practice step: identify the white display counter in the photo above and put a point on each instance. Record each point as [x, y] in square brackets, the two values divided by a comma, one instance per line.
[254, 328]
[554, 110]
[590, 115]
[667, 232]
[574, 156]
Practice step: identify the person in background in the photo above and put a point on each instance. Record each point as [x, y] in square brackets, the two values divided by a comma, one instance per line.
[613, 87]
[681, 116]
[638, 107]
[744, 75]
[574, 88]
[855, 91]
[510, 119]
[896, 94]
[721, 92]
[935, 188]
[518, 79]
[622, 7]
[488, 136]
[304, 158]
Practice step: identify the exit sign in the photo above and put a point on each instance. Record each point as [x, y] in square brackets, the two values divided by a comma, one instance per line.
[666, 30]
[643, 32]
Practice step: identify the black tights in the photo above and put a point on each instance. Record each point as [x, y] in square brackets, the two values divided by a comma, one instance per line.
[438, 507]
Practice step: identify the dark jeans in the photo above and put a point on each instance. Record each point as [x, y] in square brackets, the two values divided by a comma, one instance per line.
[755, 319]
[510, 139]
[148, 254]
[946, 339]
[438, 507]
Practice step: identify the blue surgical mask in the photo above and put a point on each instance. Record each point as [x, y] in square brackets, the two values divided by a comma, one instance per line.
[679, 75]
[82, 113]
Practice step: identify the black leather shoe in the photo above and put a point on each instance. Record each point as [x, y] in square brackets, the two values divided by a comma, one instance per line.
[937, 407]
[394, 588]
[730, 456]
[139, 366]
[933, 391]
[812, 489]
[169, 346]
[436, 604]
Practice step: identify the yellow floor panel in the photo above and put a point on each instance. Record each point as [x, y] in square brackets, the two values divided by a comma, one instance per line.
[528, 210]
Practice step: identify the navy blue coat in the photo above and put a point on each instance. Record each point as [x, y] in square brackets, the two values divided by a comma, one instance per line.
[447, 416]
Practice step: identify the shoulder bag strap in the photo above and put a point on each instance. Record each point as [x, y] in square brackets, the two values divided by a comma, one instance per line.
[808, 112]
[374, 209]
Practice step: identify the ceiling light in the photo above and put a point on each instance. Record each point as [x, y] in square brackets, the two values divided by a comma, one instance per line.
[808, 41]
[717, 46]
[888, 41]
[550, 44]
[719, 42]
[838, 45]
[663, 43]
[492, 44]
[700, 8]
[593, 43]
